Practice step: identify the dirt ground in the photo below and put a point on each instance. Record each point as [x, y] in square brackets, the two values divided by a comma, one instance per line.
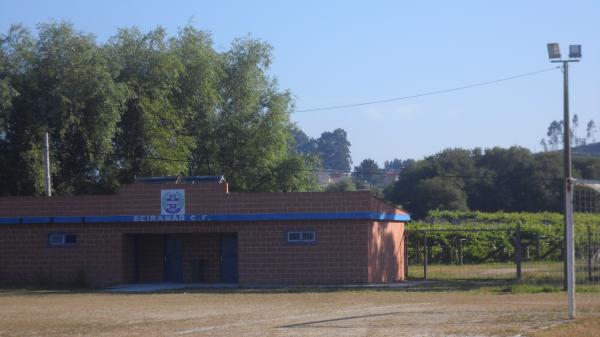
[340, 313]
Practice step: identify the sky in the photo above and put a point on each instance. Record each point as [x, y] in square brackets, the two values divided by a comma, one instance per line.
[330, 53]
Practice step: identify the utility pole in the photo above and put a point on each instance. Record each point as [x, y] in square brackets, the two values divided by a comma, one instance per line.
[47, 182]
[574, 56]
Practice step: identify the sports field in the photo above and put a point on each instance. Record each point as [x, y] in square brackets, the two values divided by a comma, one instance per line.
[306, 313]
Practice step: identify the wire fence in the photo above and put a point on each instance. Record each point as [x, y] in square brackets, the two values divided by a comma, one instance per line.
[529, 251]
[586, 201]
[490, 254]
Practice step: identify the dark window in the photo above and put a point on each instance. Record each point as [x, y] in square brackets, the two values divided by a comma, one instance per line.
[70, 239]
[62, 239]
[294, 236]
[301, 237]
[308, 236]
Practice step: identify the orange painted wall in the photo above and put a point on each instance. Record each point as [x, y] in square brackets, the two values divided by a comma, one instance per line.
[386, 252]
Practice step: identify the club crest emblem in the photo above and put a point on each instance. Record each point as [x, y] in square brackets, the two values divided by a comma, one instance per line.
[172, 202]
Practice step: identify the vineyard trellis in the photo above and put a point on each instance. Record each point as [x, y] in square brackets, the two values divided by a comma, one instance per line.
[485, 253]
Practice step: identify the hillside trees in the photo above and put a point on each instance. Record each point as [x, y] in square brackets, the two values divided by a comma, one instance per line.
[396, 165]
[142, 104]
[555, 132]
[512, 179]
[420, 188]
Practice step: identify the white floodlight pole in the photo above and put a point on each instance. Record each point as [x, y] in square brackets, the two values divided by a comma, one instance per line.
[568, 196]
[554, 53]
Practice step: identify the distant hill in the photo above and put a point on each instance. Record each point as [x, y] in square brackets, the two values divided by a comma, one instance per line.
[587, 150]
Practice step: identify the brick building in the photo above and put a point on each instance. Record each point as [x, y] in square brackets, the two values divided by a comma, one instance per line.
[194, 230]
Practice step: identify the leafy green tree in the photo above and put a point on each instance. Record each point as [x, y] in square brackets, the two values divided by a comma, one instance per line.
[304, 144]
[396, 164]
[151, 126]
[334, 150]
[344, 184]
[441, 173]
[591, 131]
[253, 127]
[19, 163]
[512, 179]
[546, 193]
[198, 96]
[368, 171]
[514, 168]
[544, 145]
[293, 174]
[61, 85]
[143, 104]
[555, 134]
[438, 193]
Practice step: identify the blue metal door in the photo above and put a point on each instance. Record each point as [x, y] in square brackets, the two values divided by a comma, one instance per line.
[229, 258]
[173, 260]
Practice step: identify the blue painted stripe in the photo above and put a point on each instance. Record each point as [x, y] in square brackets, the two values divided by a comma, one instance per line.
[299, 216]
[10, 220]
[36, 219]
[209, 217]
[110, 218]
[68, 219]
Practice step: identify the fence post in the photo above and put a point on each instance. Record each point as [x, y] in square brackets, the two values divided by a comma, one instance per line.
[518, 251]
[537, 247]
[590, 253]
[425, 257]
[460, 250]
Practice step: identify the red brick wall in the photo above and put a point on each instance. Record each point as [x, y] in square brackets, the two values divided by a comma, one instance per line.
[337, 257]
[138, 199]
[26, 257]
[386, 252]
[346, 251]
[103, 254]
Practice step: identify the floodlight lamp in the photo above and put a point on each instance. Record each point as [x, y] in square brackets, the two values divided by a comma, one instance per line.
[553, 51]
[575, 51]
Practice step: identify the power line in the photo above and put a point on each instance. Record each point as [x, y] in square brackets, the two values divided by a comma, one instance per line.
[430, 93]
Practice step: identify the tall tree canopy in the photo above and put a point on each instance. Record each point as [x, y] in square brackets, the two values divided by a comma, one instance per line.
[304, 144]
[397, 165]
[368, 172]
[555, 134]
[59, 83]
[334, 149]
[142, 104]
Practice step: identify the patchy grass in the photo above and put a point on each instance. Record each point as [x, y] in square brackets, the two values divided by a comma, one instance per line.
[549, 271]
[583, 327]
[540, 288]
